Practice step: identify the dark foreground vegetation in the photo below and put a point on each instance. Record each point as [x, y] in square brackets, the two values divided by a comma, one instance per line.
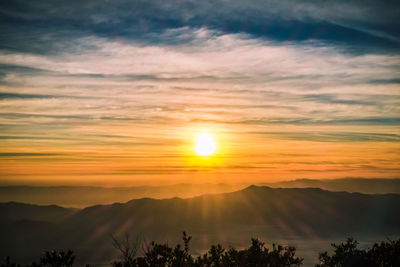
[384, 254]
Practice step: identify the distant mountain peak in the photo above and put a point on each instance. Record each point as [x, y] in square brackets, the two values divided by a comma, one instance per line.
[256, 187]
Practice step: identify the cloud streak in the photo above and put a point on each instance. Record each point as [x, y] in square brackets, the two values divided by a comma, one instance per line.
[96, 89]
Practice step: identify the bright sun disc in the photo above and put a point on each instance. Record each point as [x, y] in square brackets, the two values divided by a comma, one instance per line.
[205, 145]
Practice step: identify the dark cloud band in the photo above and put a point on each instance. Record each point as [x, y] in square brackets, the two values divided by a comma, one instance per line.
[52, 26]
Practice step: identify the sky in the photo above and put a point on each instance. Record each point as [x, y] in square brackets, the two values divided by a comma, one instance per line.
[114, 93]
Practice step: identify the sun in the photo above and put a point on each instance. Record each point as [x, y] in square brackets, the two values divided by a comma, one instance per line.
[205, 145]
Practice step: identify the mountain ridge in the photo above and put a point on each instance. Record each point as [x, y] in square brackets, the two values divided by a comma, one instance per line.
[270, 213]
[92, 195]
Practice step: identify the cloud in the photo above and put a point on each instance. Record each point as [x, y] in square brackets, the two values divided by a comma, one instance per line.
[23, 96]
[107, 83]
[333, 99]
[74, 117]
[6, 155]
[334, 136]
[372, 121]
[385, 81]
[18, 137]
[224, 58]
[51, 26]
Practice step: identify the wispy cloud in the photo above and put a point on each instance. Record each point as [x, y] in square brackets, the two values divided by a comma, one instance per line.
[27, 154]
[108, 89]
[335, 136]
[23, 96]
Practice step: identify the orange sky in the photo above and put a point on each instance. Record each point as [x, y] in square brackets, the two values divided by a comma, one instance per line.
[165, 154]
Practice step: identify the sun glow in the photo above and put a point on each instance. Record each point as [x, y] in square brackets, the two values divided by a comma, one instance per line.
[205, 145]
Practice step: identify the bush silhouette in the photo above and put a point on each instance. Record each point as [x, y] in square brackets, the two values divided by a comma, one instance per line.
[51, 258]
[256, 255]
[55, 258]
[384, 254]
[8, 263]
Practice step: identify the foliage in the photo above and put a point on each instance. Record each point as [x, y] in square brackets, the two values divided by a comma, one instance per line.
[8, 263]
[384, 254]
[57, 259]
[51, 258]
[256, 255]
[127, 249]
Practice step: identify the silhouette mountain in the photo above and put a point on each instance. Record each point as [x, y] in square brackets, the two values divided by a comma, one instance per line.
[14, 211]
[320, 211]
[276, 213]
[361, 185]
[92, 195]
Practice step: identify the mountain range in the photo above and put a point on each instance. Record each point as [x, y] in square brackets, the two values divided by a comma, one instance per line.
[275, 214]
[92, 195]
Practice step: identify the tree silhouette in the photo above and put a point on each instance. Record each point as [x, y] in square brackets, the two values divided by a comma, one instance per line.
[256, 255]
[55, 258]
[128, 251]
[8, 263]
[51, 258]
[384, 254]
